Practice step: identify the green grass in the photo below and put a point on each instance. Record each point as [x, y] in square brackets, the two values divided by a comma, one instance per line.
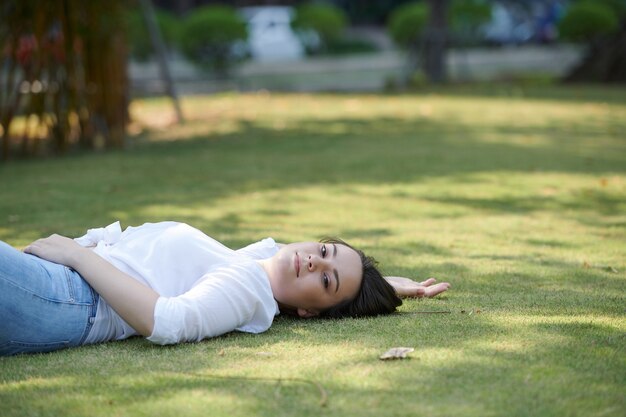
[518, 199]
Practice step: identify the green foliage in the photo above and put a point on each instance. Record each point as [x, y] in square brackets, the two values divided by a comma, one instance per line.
[349, 46]
[327, 20]
[139, 38]
[407, 22]
[208, 35]
[468, 15]
[586, 20]
[617, 6]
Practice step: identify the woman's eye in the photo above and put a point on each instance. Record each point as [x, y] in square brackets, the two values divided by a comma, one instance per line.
[326, 281]
[323, 251]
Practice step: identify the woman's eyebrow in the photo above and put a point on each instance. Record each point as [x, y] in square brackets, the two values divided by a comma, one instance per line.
[334, 270]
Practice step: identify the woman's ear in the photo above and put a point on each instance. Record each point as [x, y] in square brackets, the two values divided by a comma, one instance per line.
[307, 313]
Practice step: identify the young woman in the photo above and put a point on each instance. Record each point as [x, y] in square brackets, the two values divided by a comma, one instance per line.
[171, 283]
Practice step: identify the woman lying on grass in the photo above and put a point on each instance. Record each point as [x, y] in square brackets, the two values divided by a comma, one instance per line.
[171, 283]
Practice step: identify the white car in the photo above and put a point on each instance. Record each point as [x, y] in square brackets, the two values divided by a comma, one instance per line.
[508, 25]
[270, 36]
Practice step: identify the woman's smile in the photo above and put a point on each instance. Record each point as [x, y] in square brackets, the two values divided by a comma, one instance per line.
[318, 268]
[296, 261]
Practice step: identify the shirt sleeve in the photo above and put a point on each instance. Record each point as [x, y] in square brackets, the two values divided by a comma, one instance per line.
[234, 297]
[263, 249]
[110, 235]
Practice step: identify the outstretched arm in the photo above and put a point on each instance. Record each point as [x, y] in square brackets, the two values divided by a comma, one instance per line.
[406, 287]
[132, 300]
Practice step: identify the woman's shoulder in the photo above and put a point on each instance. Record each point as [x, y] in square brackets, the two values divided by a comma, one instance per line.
[262, 249]
[163, 227]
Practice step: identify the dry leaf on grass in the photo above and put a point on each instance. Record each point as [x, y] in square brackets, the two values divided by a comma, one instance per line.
[607, 268]
[396, 353]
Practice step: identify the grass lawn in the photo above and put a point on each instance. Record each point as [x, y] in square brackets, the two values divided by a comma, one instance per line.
[516, 196]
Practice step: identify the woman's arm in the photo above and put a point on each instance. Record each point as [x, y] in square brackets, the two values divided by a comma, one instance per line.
[132, 300]
[406, 287]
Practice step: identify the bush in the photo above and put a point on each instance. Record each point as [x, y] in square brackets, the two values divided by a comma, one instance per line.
[326, 20]
[407, 22]
[350, 46]
[466, 17]
[139, 38]
[618, 6]
[208, 35]
[586, 20]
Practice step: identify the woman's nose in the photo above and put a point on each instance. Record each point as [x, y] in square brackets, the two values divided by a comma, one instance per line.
[314, 262]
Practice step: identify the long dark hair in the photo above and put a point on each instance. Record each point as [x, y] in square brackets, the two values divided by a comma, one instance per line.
[375, 296]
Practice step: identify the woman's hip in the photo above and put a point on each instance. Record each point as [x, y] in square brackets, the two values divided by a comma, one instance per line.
[44, 306]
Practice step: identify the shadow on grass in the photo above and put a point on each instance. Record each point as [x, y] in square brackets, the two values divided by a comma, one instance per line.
[593, 200]
[349, 151]
[144, 374]
[573, 93]
[157, 392]
[560, 368]
[518, 366]
[201, 170]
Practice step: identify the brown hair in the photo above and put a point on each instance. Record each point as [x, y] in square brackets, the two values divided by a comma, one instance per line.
[375, 296]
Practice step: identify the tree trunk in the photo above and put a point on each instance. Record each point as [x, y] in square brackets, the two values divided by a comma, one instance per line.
[435, 41]
[605, 60]
[412, 63]
[158, 46]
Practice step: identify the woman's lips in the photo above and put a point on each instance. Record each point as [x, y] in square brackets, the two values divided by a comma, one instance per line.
[296, 261]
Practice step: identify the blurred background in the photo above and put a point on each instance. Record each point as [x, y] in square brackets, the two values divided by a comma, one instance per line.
[69, 68]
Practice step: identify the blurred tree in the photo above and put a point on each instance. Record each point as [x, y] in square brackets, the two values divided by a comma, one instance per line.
[156, 39]
[369, 12]
[601, 24]
[436, 40]
[406, 25]
[466, 19]
[64, 71]
[208, 35]
[138, 36]
[183, 7]
[324, 19]
[421, 27]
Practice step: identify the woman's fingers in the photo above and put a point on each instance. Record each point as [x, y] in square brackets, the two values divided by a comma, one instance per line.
[437, 289]
[32, 247]
[410, 290]
[429, 281]
[55, 248]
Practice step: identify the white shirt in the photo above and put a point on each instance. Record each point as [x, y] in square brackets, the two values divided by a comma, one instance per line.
[205, 288]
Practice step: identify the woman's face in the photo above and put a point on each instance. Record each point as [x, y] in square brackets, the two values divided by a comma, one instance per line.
[310, 277]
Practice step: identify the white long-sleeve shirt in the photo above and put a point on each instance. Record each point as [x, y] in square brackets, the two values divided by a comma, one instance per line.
[205, 288]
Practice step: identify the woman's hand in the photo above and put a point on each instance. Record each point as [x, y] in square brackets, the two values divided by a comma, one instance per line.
[406, 287]
[131, 299]
[58, 249]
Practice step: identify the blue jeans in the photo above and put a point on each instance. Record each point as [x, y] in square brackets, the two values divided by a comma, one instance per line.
[43, 306]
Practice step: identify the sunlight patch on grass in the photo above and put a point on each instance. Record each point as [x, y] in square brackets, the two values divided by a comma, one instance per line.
[613, 323]
[37, 383]
[518, 202]
[192, 130]
[524, 140]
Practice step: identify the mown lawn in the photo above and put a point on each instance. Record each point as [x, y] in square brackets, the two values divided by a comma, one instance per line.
[516, 196]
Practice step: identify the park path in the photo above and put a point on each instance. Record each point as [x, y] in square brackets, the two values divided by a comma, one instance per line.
[363, 72]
